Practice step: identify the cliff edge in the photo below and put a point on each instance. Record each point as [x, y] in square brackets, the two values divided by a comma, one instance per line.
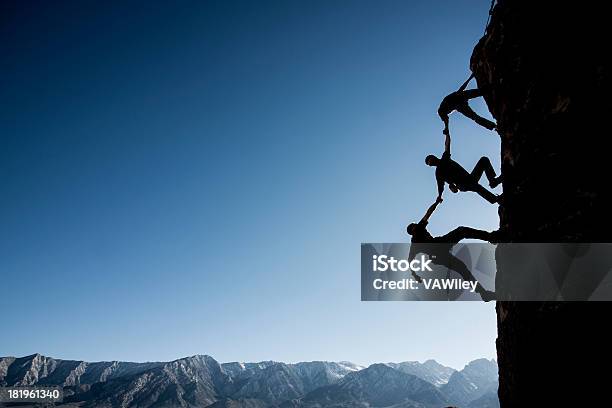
[543, 67]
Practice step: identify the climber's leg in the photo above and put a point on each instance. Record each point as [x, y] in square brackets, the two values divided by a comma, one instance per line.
[483, 192]
[461, 233]
[471, 93]
[484, 166]
[457, 265]
[468, 112]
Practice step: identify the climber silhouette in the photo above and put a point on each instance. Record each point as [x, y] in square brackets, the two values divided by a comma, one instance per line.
[458, 101]
[439, 248]
[458, 179]
[419, 232]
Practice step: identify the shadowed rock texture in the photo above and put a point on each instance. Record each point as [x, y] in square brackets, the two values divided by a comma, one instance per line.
[546, 79]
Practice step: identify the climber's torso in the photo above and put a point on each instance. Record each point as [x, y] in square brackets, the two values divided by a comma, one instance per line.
[450, 171]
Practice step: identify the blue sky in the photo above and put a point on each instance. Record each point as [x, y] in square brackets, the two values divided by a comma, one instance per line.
[183, 178]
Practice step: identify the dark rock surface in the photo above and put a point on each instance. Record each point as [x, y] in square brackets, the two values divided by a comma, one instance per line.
[544, 68]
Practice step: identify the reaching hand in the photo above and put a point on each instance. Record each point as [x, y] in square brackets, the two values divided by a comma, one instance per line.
[439, 200]
[453, 188]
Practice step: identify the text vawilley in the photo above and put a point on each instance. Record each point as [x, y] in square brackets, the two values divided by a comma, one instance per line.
[427, 283]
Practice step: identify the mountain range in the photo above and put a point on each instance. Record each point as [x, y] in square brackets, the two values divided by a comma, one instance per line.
[201, 381]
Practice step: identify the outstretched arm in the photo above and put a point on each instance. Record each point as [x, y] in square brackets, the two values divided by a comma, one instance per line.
[465, 84]
[431, 210]
[445, 156]
[440, 188]
[446, 131]
[447, 142]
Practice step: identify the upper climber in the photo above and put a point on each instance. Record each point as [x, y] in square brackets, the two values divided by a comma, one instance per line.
[458, 101]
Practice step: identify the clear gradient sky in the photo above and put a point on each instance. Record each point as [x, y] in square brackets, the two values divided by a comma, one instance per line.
[182, 178]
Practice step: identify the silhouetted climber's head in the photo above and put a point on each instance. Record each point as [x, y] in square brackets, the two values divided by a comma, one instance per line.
[431, 160]
[411, 228]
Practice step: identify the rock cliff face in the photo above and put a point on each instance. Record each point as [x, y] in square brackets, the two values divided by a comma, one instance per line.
[543, 66]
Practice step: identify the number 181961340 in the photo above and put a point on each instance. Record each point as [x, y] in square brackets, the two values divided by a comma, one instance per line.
[30, 394]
